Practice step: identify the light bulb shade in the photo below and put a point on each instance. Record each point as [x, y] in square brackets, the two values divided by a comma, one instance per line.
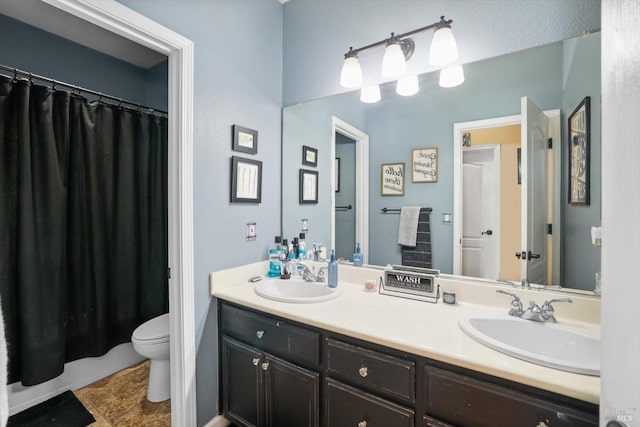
[393, 63]
[444, 49]
[370, 94]
[452, 76]
[407, 86]
[351, 74]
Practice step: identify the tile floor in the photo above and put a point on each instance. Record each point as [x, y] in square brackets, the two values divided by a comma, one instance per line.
[120, 400]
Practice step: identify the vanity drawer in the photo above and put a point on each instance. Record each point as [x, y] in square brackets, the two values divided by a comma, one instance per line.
[272, 335]
[348, 406]
[471, 402]
[382, 373]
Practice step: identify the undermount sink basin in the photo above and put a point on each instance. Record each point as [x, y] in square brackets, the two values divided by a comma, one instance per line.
[546, 344]
[296, 291]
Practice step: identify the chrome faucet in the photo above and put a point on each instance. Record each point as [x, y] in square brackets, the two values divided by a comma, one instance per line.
[309, 275]
[534, 312]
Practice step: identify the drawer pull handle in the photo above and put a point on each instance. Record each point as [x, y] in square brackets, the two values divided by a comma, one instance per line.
[256, 361]
[363, 373]
[362, 424]
[265, 366]
[259, 334]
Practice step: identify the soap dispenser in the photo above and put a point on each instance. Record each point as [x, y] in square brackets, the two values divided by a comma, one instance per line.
[357, 257]
[333, 270]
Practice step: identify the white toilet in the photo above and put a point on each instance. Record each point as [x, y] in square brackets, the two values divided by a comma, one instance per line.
[151, 340]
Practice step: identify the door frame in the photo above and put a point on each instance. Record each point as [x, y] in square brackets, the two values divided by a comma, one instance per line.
[362, 183]
[119, 19]
[554, 131]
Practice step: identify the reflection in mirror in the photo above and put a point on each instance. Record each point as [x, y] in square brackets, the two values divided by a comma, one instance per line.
[555, 76]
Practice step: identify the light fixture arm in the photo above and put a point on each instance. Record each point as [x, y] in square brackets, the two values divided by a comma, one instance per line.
[443, 23]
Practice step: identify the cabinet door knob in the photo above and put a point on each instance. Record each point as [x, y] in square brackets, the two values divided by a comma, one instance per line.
[362, 424]
[259, 334]
[265, 366]
[363, 373]
[256, 361]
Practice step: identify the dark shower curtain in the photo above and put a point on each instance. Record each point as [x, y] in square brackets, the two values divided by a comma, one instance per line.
[83, 226]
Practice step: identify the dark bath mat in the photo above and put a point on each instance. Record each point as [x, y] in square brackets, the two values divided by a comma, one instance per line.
[64, 410]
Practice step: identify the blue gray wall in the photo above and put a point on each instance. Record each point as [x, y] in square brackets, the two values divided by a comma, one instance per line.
[31, 49]
[238, 80]
[581, 77]
[318, 33]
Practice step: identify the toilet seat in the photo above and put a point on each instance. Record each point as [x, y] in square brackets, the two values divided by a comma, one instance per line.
[153, 331]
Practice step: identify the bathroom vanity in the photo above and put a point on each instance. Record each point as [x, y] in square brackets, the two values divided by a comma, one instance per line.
[366, 359]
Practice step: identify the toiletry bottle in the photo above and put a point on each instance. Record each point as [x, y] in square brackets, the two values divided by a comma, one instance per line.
[295, 246]
[333, 270]
[302, 247]
[357, 257]
[274, 259]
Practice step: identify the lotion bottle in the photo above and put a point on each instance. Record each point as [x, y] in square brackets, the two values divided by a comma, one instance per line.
[357, 257]
[333, 270]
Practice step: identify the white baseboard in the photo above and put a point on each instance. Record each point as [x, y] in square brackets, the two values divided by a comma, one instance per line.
[76, 374]
[218, 421]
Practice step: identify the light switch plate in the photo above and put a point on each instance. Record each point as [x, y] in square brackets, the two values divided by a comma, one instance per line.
[305, 225]
[251, 231]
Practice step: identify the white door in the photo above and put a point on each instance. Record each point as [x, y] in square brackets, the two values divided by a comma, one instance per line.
[535, 131]
[481, 211]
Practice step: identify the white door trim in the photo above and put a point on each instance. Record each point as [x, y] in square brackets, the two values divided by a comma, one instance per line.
[362, 183]
[458, 128]
[117, 18]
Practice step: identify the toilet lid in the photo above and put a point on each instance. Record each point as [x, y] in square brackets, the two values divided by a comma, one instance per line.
[153, 329]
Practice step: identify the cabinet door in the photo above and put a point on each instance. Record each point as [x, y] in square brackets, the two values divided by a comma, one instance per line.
[292, 394]
[242, 383]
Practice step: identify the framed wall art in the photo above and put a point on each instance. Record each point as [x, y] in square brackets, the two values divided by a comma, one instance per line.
[309, 156]
[246, 180]
[579, 154]
[392, 179]
[424, 164]
[308, 184]
[245, 140]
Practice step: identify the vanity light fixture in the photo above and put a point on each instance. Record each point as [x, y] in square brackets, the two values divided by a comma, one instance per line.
[407, 85]
[451, 76]
[351, 75]
[399, 49]
[370, 94]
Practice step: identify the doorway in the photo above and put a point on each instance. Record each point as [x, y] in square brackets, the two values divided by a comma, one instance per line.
[340, 129]
[120, 20]
[345, 193]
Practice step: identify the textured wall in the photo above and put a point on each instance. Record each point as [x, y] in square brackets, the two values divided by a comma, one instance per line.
[318, 33]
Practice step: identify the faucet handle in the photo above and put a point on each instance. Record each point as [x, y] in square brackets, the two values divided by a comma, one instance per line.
[516, 304]
[547, 308]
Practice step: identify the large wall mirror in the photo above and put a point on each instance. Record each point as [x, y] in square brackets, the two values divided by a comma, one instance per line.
[555, 77]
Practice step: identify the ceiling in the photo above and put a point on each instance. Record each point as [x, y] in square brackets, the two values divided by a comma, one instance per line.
[48, 18]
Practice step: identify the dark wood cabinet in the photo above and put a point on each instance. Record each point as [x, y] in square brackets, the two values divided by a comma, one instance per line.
[272, 369]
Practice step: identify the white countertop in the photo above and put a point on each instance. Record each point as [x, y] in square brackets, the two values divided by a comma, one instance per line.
[422, 328]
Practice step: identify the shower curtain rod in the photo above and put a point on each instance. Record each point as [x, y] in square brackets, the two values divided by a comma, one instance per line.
[100, 95]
